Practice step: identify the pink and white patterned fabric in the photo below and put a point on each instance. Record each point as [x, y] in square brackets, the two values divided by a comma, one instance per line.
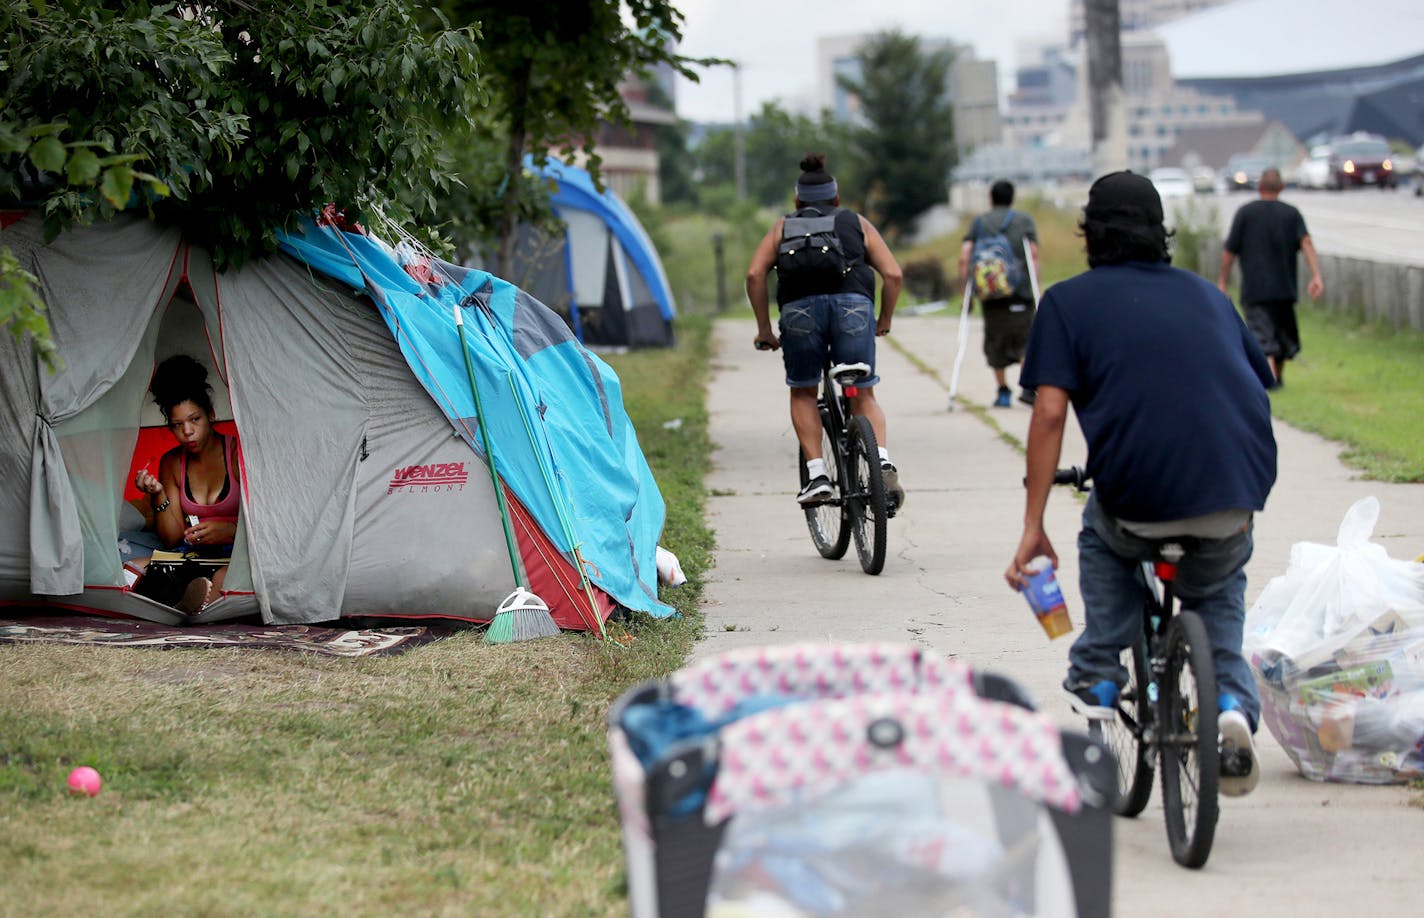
[813, 670]
[801, 751]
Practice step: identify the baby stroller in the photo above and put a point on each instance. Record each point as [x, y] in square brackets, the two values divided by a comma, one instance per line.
[855, 779]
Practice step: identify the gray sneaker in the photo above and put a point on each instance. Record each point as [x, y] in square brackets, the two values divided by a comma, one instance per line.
[893, 492]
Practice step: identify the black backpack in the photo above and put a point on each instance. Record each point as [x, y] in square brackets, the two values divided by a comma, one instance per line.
[810, 254]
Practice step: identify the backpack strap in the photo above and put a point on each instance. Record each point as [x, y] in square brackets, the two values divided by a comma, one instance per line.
[1008, 218]
[974, 229]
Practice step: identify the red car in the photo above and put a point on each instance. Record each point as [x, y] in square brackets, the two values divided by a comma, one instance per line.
[1360, 160]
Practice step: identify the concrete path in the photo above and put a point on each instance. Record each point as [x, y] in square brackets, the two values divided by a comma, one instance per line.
[1293, 848]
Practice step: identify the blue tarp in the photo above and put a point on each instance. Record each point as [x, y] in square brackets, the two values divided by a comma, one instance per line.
[561, 439]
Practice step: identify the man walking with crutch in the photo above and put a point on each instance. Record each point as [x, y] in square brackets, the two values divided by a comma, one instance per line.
[999, 257]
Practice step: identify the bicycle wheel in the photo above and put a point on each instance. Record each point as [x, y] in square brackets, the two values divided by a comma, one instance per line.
[1190, 762]
[827, 521]
[1125, 735]
[865, 496]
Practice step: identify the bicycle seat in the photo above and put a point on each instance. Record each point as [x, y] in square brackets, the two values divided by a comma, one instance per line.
[848, 374]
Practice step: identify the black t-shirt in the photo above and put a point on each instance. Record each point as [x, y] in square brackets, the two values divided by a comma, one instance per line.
[1265, 236]
[860, 279]
[1168, 385]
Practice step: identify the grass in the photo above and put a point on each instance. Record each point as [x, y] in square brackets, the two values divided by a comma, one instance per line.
[458, 778]
[1361, 385]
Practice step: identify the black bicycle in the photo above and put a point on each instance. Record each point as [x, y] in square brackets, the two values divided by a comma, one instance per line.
[1166, 713]
[857, 505]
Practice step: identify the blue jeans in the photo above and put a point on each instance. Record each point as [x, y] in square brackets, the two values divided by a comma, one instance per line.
[1211, 581]
[841, 325]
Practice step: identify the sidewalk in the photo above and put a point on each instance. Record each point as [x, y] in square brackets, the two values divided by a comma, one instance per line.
[1293, 848]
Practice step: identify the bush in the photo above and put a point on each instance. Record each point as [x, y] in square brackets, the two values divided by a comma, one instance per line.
[924, 279]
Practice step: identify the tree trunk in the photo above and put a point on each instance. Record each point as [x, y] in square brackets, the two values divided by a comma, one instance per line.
[513, 169]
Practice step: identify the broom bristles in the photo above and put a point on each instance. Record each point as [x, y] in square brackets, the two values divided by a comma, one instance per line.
[521, 617]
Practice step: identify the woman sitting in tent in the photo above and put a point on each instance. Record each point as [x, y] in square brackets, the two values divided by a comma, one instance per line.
[194, 496]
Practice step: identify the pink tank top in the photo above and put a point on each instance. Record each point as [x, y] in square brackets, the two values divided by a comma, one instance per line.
[225, 510]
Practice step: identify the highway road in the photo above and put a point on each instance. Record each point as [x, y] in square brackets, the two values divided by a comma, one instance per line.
[1360, 223]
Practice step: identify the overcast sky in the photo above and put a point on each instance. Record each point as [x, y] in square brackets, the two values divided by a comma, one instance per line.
[775, 41]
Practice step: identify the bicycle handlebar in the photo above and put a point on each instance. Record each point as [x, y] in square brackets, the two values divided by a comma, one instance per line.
[1074, 476]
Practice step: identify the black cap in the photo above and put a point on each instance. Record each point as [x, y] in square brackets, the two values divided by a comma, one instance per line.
[1124, 195]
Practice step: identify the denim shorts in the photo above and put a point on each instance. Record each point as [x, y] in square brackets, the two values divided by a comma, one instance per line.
[835, 326]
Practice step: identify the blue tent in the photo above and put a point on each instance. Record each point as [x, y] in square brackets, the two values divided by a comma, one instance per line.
[602, 273]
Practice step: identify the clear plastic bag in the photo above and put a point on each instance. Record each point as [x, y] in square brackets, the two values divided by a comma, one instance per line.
[1337, 647]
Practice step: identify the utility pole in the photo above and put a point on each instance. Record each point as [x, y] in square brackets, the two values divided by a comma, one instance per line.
[1106, 109]
[739, 151]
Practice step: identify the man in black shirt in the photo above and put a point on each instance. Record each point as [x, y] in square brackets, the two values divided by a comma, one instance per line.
[1265, 235]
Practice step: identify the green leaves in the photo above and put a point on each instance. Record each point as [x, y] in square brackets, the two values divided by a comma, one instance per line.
[48, 154]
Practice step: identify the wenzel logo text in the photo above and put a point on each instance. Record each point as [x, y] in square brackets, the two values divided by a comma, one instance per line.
[422, 479]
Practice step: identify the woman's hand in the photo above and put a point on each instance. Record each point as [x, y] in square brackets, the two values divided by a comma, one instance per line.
[146, 482]
[210, 532]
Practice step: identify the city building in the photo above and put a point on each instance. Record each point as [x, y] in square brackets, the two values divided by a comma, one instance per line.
[1050, 108]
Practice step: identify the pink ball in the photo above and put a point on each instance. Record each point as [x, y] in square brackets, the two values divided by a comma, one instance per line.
[84, 780]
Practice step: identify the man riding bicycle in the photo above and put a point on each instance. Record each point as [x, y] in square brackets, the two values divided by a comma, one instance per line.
[1169, 388]
[826, 316]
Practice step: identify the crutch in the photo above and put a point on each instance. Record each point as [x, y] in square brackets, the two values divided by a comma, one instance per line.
[962, 346]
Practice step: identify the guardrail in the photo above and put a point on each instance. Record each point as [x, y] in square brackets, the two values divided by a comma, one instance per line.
[1378, 291]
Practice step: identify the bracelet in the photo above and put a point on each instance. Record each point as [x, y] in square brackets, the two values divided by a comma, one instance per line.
[163, 506]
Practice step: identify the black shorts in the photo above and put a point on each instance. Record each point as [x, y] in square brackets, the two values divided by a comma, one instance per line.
[1273, 325]
[1006, 327]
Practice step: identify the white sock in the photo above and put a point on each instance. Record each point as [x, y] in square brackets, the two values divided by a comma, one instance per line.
[815, 468]
[884, 455]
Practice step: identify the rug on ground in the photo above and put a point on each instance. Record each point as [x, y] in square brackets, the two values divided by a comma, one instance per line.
[338, 642]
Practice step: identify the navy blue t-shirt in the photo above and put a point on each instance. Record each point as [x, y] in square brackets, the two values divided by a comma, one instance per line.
[1169, 387]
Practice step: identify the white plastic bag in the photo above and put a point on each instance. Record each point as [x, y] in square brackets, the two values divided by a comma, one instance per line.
[1337, 647]
[1330, 594]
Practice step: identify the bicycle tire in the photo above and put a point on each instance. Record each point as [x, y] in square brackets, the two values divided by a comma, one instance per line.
[827, 521]
[1126, 735]
[865, 496]
[1190, 761]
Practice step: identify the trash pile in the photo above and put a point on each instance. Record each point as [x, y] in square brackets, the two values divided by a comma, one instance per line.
[1337, 647]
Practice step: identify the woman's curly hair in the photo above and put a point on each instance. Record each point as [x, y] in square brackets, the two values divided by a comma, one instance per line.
[180, 379]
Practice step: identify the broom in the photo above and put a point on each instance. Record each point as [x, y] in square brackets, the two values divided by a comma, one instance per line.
[522, 615]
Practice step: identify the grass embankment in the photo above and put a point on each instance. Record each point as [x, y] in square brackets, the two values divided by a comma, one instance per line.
[459, 778]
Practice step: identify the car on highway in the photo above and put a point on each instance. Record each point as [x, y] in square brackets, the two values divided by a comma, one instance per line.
[1243, 171]
[1314, 170]
[1204, 178]
[1172, 183]
[1361, 159]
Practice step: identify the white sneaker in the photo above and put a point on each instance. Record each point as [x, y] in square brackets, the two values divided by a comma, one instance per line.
[1240, 769]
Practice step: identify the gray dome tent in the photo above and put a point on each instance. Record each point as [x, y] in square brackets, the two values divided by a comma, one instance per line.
[364, 492]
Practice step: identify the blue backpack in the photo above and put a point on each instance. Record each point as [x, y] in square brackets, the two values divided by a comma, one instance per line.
[993, 264]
